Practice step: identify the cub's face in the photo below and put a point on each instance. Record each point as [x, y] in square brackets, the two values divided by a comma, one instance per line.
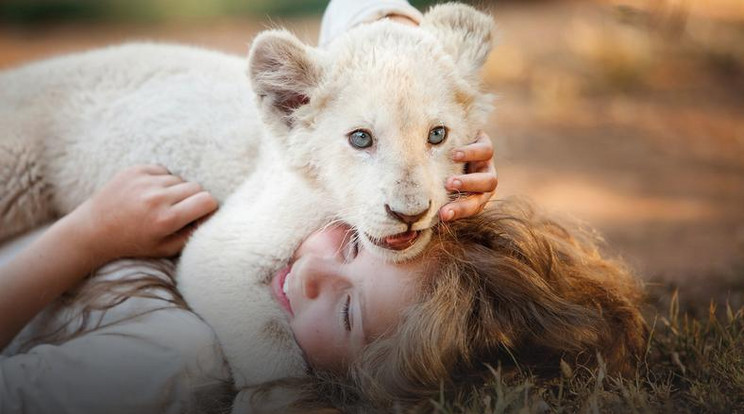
[375, 117]
[391, 120]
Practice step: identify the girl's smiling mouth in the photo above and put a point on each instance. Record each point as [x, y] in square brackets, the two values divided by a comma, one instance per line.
[280, 286]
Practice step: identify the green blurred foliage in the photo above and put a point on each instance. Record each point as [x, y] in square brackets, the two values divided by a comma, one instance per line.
[43, 11]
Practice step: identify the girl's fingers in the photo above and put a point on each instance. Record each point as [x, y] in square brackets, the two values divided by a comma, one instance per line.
[485, 182]
[165, 180]
[193, 208]
[463, 207]
[477, 151]
[173, 244]
[152, 169]
[181, 191]
[480, 167]
[480, 150]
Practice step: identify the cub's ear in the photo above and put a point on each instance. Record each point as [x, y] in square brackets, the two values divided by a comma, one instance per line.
[464, 32]
[283, 73]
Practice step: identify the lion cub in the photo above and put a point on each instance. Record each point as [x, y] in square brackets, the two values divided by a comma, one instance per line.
[359, 132]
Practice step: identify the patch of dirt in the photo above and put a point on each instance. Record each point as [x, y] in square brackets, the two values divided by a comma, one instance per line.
[636, 132]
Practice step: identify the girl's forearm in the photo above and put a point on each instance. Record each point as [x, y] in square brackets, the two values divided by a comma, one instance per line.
[39, 274]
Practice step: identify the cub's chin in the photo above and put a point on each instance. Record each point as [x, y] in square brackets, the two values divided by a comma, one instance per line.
[398, 247]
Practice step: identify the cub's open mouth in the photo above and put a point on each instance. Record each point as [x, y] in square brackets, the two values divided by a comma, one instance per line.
[400, 241]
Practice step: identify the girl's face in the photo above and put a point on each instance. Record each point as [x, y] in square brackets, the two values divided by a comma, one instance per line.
[339, 297]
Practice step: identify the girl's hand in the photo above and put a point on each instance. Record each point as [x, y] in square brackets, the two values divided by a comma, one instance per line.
[477, 185]
[143, 211]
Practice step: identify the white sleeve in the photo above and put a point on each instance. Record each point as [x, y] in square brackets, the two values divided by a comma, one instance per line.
[341, 15]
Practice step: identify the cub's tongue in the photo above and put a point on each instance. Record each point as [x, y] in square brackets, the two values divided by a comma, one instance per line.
[401, 240]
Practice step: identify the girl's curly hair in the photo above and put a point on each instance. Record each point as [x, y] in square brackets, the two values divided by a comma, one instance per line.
[509, 287]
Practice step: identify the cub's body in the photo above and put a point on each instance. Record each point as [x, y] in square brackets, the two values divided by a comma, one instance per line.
[82, 118]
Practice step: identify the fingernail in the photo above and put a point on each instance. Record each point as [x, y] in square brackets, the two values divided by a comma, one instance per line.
[459, 156]
[456, 184]
[449, 215]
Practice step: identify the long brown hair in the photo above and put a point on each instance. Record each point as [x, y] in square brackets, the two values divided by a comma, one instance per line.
[509, 287]
[82, 309]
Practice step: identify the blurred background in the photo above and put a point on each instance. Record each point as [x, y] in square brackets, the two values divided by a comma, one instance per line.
[626, 114]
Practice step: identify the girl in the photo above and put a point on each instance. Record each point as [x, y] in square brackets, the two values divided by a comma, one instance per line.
[508, 287]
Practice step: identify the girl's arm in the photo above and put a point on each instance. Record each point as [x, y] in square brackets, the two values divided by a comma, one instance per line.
[342, 15]
[142, 211]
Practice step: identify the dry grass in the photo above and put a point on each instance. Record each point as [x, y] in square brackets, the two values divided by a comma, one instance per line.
[694, 364]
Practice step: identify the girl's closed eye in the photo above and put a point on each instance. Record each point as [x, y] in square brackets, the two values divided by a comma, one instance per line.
[352, 247]
[355, 246]
[345, 316]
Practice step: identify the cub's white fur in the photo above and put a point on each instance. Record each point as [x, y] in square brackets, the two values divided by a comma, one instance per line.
[70, 123]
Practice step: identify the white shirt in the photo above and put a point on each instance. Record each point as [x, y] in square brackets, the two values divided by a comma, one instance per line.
[146, 356]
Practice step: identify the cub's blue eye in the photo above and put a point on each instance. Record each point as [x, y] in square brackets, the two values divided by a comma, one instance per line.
[437, 135]
[360, 139]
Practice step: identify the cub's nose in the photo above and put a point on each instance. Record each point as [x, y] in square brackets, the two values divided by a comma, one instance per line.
[407, 219]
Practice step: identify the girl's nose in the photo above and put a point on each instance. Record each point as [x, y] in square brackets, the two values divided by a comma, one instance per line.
[322, 276]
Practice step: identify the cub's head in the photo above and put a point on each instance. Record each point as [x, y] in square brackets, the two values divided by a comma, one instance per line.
[373, 118]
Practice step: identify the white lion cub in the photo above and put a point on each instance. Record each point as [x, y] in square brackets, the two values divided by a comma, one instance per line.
[359, 132]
